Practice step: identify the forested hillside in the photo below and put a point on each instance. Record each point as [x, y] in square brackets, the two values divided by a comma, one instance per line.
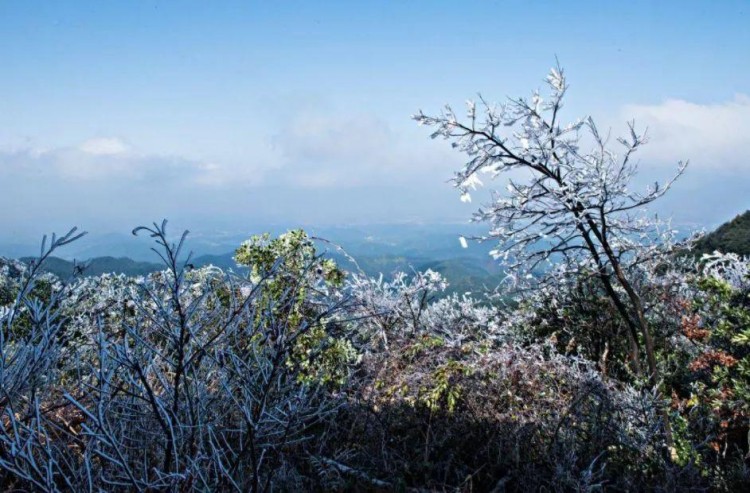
[731, 237]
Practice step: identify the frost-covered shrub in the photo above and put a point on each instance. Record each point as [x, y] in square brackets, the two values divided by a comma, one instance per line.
[289, 267]
[403, 307]
[182, 380]
[300, 377]
[477, 416]
[10, 274]
[460, 319]
[712, 387]
[579, 318]
[31, 336]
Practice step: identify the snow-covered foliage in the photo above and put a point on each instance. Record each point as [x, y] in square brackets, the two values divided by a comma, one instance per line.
[569, 198]
[477, 415]
[164, 382]
[729, 267]
[569, 210]
[302, 377]
[408, 306]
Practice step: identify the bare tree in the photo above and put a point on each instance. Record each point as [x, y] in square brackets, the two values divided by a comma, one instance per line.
[567, 211]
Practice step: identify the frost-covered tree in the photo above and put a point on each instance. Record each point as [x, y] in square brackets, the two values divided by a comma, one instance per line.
[569, 209]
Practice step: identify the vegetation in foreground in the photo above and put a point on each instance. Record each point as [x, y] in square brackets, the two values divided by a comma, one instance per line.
[618, 364]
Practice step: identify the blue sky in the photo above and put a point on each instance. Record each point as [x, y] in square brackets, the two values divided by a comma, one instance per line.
[224, 114]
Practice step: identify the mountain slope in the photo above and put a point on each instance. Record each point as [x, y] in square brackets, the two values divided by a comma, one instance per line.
[730, 237]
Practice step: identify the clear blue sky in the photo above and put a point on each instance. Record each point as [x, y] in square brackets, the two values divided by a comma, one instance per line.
[228, 113]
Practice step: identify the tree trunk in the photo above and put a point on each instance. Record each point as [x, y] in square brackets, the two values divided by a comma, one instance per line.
[635, 356]
[653, 369]
[635, 301]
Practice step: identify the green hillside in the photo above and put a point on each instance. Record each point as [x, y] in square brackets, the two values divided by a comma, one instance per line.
[730, 237]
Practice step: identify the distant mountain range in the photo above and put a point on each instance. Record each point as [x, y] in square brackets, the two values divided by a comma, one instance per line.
[377, 249]
[431, 240]
[96, 266]
[463, 273]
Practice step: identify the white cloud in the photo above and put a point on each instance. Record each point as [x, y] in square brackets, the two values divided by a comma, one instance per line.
[102, 162]
[112, 162]
[323, 151]
[712, 136]
[108, 146]
[332, 137]
[316, 169]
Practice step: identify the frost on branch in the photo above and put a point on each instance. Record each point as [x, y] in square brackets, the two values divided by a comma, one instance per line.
[568, 199]
[569, 211]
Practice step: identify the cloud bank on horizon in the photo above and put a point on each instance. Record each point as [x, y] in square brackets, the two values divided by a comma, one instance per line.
[713, 136]
[314, 134]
